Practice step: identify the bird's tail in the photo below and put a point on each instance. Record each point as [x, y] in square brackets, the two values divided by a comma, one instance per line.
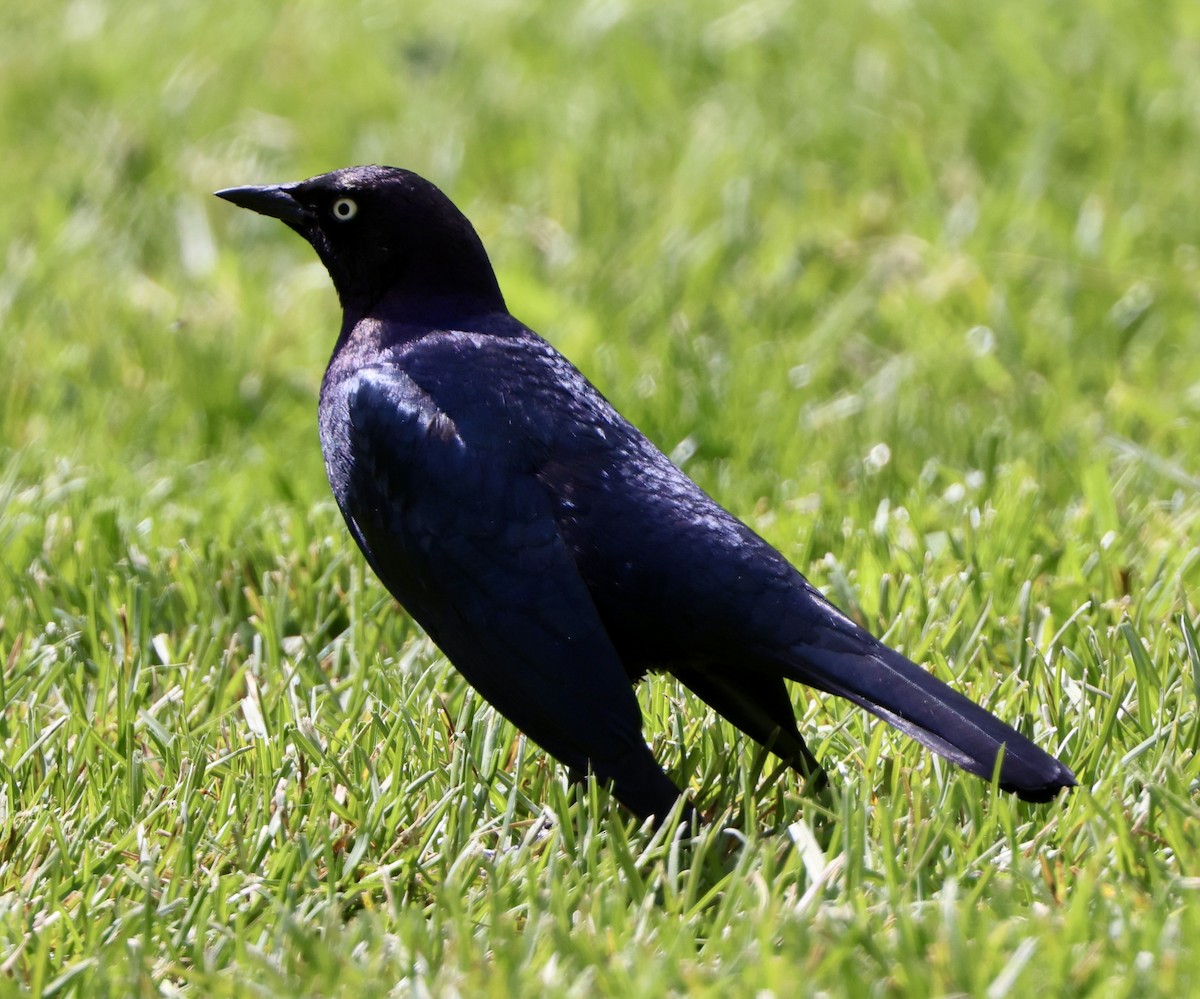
[850, 663]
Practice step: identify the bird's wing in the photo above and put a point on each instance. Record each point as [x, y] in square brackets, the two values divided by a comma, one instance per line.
[462, 533]
[758, 703]
[736, 618]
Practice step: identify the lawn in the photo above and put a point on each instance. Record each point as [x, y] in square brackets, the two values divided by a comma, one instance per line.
[911, 286]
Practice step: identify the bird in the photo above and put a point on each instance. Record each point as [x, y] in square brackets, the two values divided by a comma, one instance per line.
[546, 546]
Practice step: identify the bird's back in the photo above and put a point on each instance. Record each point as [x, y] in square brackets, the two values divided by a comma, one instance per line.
[674, 576]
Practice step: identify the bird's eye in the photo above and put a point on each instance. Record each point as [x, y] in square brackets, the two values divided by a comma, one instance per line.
[344, 209]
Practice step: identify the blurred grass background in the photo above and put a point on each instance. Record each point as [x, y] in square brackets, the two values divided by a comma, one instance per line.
[909, 286]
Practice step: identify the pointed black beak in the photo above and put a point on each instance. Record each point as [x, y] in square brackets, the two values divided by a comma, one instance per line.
[274, 200]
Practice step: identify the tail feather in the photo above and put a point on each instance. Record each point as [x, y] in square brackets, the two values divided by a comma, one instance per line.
[884, 682]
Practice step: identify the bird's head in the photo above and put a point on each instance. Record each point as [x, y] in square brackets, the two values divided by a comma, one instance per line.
[388, 239]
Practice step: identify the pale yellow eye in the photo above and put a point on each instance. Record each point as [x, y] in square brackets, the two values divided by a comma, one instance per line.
[344, 209]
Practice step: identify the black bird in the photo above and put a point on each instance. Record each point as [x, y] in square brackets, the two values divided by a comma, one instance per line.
[549, 549]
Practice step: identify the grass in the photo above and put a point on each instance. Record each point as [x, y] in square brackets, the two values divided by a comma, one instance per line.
[912, 288]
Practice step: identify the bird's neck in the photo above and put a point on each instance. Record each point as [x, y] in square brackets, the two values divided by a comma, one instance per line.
[394, 321]
[424, 291]
[421, 302]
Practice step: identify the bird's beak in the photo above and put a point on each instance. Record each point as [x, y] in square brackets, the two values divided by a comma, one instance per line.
[274, 200]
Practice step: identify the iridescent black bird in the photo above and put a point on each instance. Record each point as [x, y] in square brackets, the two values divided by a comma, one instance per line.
[550, 550]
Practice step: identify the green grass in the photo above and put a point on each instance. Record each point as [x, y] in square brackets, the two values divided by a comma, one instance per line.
[911, 287]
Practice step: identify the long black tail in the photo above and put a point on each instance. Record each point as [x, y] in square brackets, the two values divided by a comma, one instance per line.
[849, 662]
